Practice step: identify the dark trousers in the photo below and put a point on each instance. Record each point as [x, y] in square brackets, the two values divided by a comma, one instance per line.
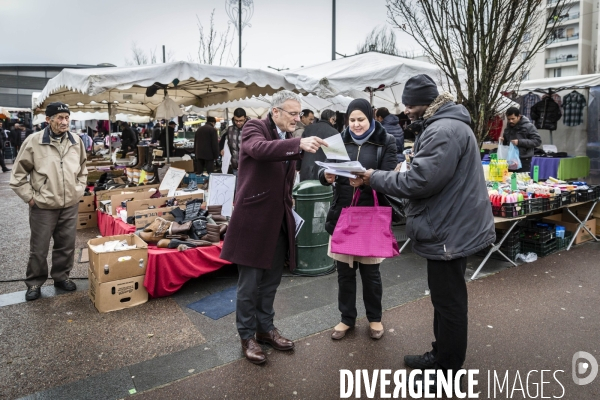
[208, 164]
[60, 225]
[2, 164]
[126, 149]
[372, 291]
[450, 302]
[256, 293]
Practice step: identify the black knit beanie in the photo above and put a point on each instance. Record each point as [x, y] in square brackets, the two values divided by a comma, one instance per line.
[57, 108]
[361, 105]
[420, 90]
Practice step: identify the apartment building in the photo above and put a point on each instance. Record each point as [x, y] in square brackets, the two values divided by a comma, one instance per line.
[572, 48]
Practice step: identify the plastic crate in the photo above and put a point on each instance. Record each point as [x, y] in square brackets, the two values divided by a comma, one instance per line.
[586, 195]
[554, 202]
[541, 249]
[511, 210]
[538, 205]
[513, 238]
[538, 234]
[510, 251]
[565, 198]
[563, 243]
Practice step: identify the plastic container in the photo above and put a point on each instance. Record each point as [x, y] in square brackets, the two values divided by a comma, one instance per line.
[560, 231]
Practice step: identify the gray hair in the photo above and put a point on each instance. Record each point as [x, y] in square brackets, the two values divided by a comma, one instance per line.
[281, 97]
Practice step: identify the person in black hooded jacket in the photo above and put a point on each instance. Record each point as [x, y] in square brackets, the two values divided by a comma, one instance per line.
[364, 139]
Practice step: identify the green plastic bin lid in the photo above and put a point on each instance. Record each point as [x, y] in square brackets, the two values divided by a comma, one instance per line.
[311, 187]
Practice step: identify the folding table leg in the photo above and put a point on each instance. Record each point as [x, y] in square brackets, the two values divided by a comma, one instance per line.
[582, 225]
[404, 245]
[496, 247]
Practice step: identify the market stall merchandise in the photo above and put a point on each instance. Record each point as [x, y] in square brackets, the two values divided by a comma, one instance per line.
[562, 168]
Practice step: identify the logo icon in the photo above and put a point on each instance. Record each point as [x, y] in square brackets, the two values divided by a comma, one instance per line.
[579, 367]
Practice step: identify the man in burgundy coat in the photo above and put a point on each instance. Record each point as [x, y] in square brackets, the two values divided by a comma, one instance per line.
[262, 227]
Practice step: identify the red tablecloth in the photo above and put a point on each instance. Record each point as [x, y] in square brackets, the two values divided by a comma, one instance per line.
[169, 269]
[111, 226]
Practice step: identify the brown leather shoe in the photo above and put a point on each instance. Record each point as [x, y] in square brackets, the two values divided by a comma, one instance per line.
[376, 334]
[274, 339]
[253, 351]
[337, 335]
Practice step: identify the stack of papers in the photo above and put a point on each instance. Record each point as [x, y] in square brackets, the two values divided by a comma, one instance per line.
[337, 151]
[346, 169]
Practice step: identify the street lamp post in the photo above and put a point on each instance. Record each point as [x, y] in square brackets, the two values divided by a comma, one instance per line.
[239, 13]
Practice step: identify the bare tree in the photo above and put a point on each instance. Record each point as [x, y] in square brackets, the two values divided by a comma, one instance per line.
[380, 39]
[213, 44]
[494, 41]
[140, 57]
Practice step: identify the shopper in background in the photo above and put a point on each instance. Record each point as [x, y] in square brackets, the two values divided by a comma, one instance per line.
[49, 175]
[3, 141]
[366, 141]
[322, 129]
[523, 134]
[233, 135]
[129, 139]
[391, 124]
[206, 146]
[163, 139]
[307, 117]
[448, 214]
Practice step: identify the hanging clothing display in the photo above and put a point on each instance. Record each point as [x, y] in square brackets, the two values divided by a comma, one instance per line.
[556, 98]
[545, 114]
[528, 101]
[496, 127]
[573, 105]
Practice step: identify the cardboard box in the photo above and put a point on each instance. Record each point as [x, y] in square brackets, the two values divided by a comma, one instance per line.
[145, 217]
[187, 165]
[106, 194]
[582, 236]
[87, 220]
[117, 295]
[117, 199]
[87, 204]
[118, 264]
[138, 205]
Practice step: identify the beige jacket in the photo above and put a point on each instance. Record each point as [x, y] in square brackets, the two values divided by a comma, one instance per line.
[56, 180]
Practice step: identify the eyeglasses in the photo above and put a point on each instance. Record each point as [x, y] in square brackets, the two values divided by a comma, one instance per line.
[293, 114]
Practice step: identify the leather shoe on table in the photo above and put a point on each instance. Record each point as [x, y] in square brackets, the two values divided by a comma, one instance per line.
[274, 339]
[253, 351]
[33, 292]
[426, 361]
[67, 285]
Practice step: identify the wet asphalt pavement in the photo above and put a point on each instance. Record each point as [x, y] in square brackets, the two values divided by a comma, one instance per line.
[532, 317]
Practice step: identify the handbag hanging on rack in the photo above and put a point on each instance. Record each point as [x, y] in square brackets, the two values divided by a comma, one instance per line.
[365, 231]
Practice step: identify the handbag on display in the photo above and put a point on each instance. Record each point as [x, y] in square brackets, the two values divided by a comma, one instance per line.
[365, 231]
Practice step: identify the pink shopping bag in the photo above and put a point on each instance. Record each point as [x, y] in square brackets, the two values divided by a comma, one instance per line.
[365, 231]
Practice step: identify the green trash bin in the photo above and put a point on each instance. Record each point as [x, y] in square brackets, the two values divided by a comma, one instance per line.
[312, 204]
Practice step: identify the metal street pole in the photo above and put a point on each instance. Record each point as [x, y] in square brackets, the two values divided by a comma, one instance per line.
[164, 58]
[333, 31]
[240, 30]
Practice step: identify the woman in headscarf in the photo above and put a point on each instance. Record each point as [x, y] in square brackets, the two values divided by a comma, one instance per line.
[366, 141]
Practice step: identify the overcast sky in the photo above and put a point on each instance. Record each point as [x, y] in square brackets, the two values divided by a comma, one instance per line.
[284, 34]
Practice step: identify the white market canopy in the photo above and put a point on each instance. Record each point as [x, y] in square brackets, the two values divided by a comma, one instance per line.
[352, 76]
[257, 106]
[562, 83]
[129, 89]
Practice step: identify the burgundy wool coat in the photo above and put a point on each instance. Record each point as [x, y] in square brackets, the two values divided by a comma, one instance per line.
[264, 196]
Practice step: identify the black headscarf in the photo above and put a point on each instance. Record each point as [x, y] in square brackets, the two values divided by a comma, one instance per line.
[361, 105]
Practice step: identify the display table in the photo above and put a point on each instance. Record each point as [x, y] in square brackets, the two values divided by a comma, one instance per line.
[111, 226]
[561, 168]
[168, 269]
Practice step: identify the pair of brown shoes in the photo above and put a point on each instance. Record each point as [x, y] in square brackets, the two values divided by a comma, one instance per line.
[253, 352]
[374, 334]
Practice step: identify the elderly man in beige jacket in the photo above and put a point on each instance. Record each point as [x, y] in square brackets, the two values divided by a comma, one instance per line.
[49, 174]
